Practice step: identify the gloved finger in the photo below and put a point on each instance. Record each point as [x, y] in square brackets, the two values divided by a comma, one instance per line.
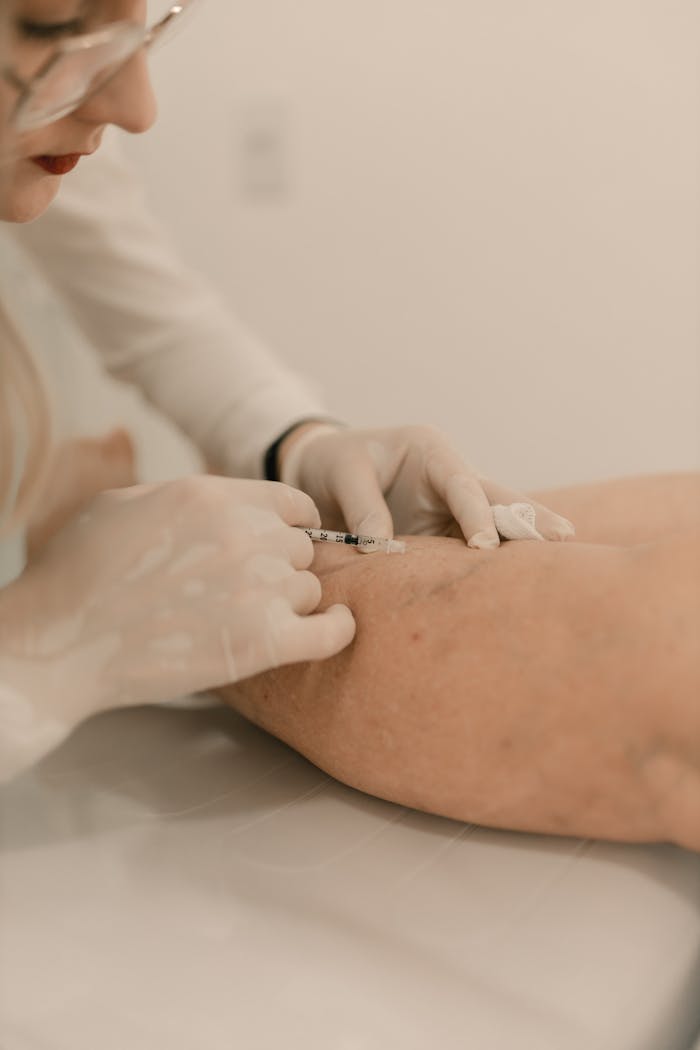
[293, 506]
[318, 636]
[549, 524]
[299, 548]
[267, 569]
[289, 543]
[356, 489]
[303, 592]
[463, 495]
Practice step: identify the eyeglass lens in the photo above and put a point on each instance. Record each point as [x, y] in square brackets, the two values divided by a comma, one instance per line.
[77, 74]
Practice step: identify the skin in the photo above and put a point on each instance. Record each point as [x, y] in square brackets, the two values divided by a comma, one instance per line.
[541, 687]
[126, 101]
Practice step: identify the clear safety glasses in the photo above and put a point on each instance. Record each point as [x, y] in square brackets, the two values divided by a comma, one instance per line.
[81, 65]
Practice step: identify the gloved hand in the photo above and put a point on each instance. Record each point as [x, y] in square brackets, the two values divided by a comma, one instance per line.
[407, 480]
[159, 590]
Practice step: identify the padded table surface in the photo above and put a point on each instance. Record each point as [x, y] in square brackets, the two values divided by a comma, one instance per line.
[174, 878]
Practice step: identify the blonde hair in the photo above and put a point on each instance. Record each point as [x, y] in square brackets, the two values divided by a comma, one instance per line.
[25, 428]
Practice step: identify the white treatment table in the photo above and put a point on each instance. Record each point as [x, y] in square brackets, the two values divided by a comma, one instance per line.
[175, 879]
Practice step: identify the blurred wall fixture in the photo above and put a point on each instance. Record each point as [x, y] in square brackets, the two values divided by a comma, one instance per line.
[262, 162]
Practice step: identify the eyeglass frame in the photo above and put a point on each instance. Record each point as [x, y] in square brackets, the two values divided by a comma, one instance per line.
[84, 42]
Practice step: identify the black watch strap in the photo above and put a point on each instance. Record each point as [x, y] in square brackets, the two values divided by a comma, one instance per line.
[271, 460]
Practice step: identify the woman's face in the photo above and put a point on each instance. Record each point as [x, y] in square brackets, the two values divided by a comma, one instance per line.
[32, 164]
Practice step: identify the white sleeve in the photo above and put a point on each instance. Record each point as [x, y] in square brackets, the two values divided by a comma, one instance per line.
[155, 323]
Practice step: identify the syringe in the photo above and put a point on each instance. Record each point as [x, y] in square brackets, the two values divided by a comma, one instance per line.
[368, 544]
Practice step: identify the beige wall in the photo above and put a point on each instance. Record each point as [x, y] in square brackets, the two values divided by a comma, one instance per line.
[490, 217]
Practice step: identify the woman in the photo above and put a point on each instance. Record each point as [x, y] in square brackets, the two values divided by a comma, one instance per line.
[158, 590]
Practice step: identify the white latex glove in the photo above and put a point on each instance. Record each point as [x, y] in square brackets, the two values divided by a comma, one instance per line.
[407, 480]
[156, 591]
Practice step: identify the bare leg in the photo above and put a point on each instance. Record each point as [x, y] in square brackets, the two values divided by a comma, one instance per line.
[541, 686]
[626, 511]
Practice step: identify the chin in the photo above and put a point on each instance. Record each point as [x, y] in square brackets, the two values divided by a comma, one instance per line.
[25, 200]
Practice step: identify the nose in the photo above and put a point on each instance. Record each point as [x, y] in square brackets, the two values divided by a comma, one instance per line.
[126, 100]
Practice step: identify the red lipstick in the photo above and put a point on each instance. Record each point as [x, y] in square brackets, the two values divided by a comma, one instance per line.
[58, 165]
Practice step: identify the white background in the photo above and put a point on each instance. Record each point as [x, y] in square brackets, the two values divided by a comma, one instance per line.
[480, 214]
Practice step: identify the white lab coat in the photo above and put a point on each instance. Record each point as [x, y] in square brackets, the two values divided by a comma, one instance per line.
[155, 323]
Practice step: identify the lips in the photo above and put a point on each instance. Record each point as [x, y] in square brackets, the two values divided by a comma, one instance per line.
[58, 165]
